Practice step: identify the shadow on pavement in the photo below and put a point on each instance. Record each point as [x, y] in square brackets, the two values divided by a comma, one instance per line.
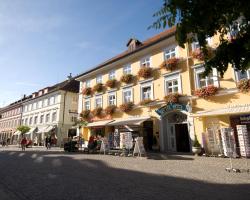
[44, 175]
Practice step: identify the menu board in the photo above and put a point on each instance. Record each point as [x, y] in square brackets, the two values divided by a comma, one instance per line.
[228, 142]
[244, 140]
[116, 141]
[104, 145]
[139, 147]
[126, 140]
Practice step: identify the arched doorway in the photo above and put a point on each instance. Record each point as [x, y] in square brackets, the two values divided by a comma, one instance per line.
[176, 132]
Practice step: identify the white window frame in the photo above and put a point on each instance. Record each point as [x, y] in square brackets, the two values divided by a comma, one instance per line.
[47, 120]
[51, 100]
[96, 98]
[171, 52]
[88, 83]
[35, 120]
[145, 85]
[41, 117]
[54, 116]
[171, 77]
[85, 107]
[200, 69]
[127, 69]
[115, 100]
[146, 61]
[112, 75]
[123, 97]
[237, 75]
[99, 79]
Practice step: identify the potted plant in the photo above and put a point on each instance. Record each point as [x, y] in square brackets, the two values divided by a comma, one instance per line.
[196, 149]
[98, 87]
[170, 64]
[145, 72]
[155, 146]
[244, 85]
[87, 91]
[206, 92]
[127, 78]
[110, 109]
[97, 112]
[145, 102]
[112, 83]
[85, 114]
[199, 54]
[172, 98]
[126, 107]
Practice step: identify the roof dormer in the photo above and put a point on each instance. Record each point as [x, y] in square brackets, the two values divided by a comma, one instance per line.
[133, 43]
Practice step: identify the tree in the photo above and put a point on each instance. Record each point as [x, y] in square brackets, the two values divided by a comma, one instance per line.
[199, 19]
[23, 129]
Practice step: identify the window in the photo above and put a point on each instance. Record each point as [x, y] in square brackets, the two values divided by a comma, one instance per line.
[41, 119]
[40, 104]
[47, 118]
[98, 102]
[26, 121]
[147, 91]
[127, 95]
[196, 45]
[73, 119]
[211, 79]
[173, 84]
[26, 108]
[30, 122]
[87, 105]
[242, 75]
[45, 102]
[112, 75]
[51, 100]
[127, 69]
[111, 99]
[87, 83]
[99, 79]
[54, 116]
[35, 120]
[34, 106]
[169, 53]
[145, 62]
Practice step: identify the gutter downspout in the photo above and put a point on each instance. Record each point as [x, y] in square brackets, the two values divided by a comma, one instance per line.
[64, 105]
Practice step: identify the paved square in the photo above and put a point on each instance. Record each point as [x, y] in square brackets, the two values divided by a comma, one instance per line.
[58, 175]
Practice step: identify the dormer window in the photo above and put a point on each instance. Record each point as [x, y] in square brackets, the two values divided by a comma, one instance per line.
[45, 90]
[133, 44]
[40, 93]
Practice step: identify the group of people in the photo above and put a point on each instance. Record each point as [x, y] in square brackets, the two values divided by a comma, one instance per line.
[5, 142]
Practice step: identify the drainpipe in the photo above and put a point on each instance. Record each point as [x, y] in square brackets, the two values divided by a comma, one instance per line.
[64, 105]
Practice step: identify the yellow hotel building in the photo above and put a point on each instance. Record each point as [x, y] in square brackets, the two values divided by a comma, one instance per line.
[160, 68]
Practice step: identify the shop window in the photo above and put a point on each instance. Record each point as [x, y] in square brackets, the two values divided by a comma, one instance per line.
[169, 53]
[112, 99]
[211, 79]
[127, 95]
[242, 75]
[87, 105]
[99, 79]
[147, 91]
[112, 75]
[145, 62]
[127, 69]
[98, 102]
[173, 84]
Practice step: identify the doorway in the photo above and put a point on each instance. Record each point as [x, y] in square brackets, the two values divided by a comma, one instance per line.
[148, 135]
[182, 138]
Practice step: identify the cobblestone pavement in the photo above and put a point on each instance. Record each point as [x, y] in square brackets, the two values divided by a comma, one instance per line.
[57, 175]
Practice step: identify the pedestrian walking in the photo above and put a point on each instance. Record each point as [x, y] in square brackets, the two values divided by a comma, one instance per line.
[23, 143]
[48, 142]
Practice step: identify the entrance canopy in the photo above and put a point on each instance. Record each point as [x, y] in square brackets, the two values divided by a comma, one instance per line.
[41, 129]
[30, 131]
[17, 133]
[99, 123]
[48, 129]
[129, 121]
[237, 109]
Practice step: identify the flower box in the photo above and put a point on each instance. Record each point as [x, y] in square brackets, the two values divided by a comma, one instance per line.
[111, 83]
[87, 91]
[145, 102]
[127, 78]
[206, 92]
[85, 114]
[244, 85]
[97, 112]
[172, 98]
[198, 53]
[109, 110]
[98, 87]
[126, 107]
[145, 72]
[170, 64]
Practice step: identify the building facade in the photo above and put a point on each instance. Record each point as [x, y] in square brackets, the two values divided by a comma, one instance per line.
[155, 86]
[52, 111]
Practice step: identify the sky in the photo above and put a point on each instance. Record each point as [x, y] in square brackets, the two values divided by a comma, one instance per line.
[42, 41]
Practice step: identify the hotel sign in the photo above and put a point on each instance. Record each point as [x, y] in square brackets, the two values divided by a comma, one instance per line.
[245, 119]
[170, 107]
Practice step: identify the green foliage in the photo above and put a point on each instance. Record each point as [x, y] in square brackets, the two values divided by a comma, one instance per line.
[81, 123]
[202, 19]
[23, 129]
[196, 142]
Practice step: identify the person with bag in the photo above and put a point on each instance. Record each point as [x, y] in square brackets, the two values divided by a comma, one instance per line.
[23, 143]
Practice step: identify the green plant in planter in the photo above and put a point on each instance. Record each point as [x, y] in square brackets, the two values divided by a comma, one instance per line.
[145, 72]
[172, 98]
[99, 87]
[127, 78]
[87, 91]
[244, 85]
[126, 107]
[23, 129]
[112, 83]
[85, 114]
[196, 142]
[97, 112]
[206, 92]
[109, 110]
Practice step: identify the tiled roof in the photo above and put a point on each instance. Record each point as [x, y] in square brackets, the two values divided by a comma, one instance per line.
[151, 41]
